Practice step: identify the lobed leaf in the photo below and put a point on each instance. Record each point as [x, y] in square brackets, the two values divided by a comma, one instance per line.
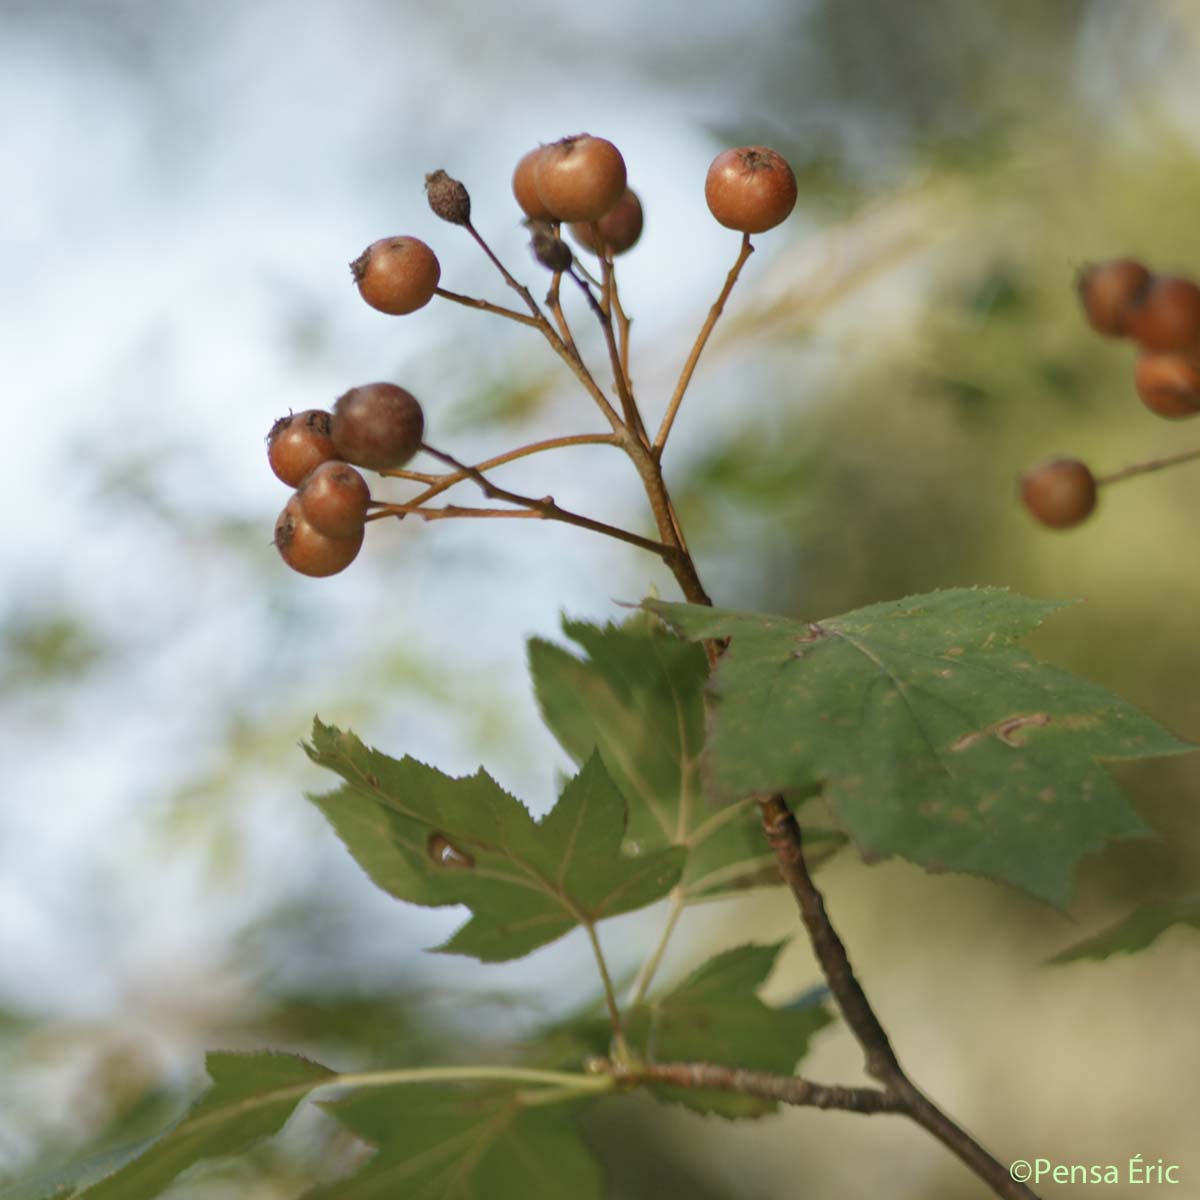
[251, 1097]
[933, 736]
[431, 839]
[636, 698]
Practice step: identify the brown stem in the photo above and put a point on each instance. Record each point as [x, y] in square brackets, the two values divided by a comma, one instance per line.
[681, 564]
[448, 511]
[554, 304]
[783, 834]
[416, 476]
[689, 367]
[1144, 468]
[440, 483]
[486, 305]
[557, 344]
[520, 289]
[633, 418]
[547, 508]
[622, 321]
[787, 1089]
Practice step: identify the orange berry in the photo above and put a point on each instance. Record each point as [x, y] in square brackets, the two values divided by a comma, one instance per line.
[309, 552]
[750, 189]
[378, 426]
[1168, 317]
[333, 499]
[397, 275]
[1169, 384]
[525, 190]
[620, 227]
[1059, 493]
[1109, 291]
[299, 442]
[579, 178]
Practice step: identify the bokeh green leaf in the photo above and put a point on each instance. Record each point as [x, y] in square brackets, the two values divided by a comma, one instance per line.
[1140, 929]
[432, 1143]
[251, 1097]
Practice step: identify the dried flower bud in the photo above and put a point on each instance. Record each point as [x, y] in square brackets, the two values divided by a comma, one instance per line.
[548, 248]
[448, 198]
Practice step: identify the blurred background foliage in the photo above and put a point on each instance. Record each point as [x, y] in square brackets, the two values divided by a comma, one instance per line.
[891, 360]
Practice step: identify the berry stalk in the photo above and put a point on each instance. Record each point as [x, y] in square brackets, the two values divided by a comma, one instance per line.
[689, 366]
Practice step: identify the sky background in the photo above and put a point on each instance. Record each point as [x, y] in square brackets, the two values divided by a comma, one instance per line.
[189, 182]
[185, 186]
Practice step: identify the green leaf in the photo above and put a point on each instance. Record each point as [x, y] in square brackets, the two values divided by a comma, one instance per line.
[440, 1143]
[251, 1097]
[130, 1134]
[1136, 931]
[715, 1016]
[430, 839]
[933, 736]
[637, 699]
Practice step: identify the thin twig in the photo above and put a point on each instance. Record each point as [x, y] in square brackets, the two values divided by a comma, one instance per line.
[451, 511]
[787, 1089]
[689, 367]
[546, 507]
[623, 322]
[554, 304]
[649, 968]
[610, 994]
[682, 566]
[1144, 468]
[415, 476]
[519, 288]
[440, 483]
[560, 347]
[486, 305]
[633, 418]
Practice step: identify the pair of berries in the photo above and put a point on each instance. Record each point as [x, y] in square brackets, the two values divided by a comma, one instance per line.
[1161, 313]
[581, 180]
[378, 426]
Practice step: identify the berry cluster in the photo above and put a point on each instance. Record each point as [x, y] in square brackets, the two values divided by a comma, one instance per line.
[1123, 298]
[1161, 314]
[378, 426]
[579, 182]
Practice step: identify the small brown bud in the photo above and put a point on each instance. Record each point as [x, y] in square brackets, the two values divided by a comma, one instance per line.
[448, 198]
[548, 248]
